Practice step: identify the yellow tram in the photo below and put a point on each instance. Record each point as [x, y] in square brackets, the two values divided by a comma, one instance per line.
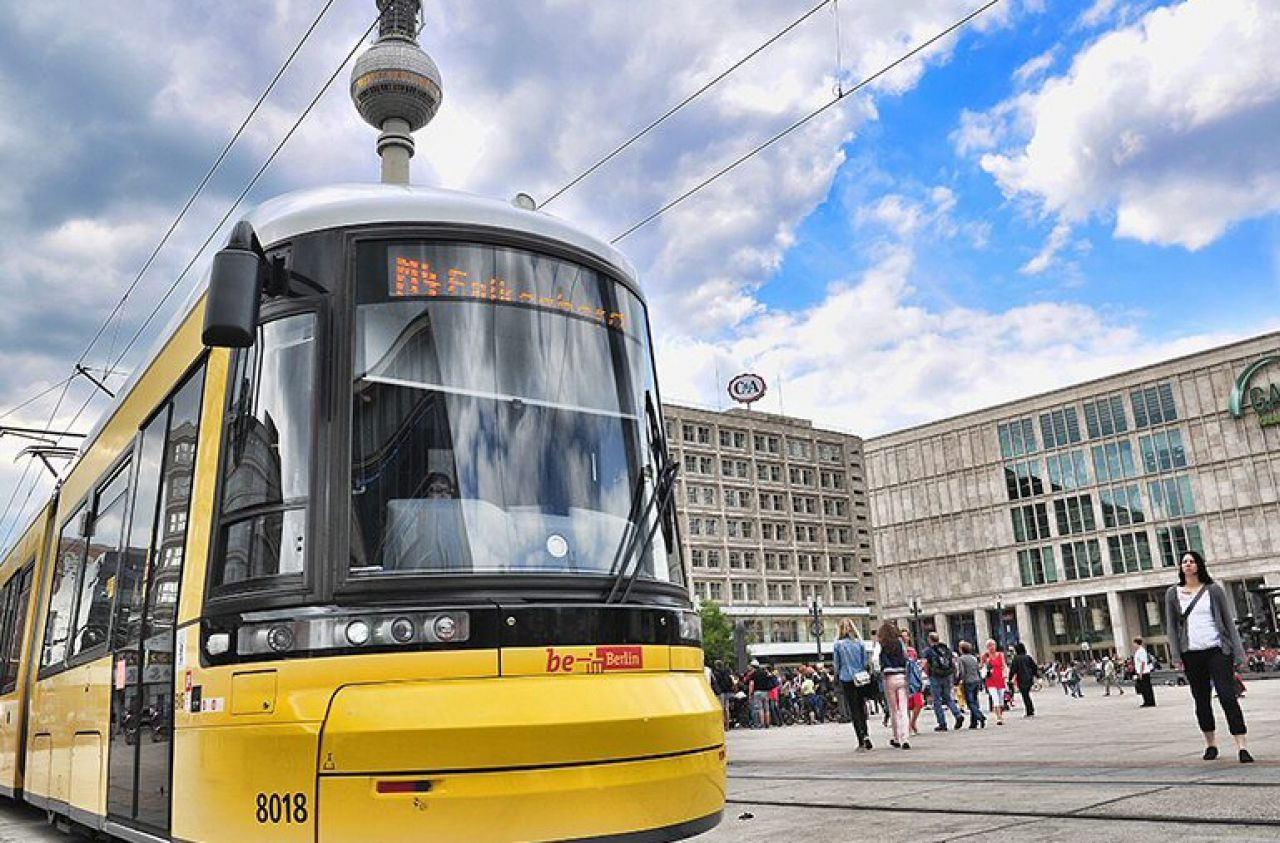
[377, 546]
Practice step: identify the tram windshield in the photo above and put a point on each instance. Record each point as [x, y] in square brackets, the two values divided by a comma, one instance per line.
[499, 416]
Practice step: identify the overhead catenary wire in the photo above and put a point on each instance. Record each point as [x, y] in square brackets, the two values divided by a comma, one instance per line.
[840, 96]
[671, 111]
[207, 176]
[178, 280]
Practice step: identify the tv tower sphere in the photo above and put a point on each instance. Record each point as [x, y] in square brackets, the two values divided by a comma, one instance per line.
[395, 85]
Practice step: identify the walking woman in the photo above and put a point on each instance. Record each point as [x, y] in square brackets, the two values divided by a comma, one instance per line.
[994, 671]
[1203, 636]
[853, 668]
[1025, 670]
[893, 665]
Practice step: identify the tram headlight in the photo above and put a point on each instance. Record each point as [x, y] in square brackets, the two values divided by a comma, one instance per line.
[217, 643]
[402, 630]
[280, 638]
[445, 628]
[358, 633]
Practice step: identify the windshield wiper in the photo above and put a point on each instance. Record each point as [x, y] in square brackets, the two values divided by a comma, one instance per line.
[629, 559]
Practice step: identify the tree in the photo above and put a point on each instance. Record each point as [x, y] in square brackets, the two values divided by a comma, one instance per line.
[717, 634]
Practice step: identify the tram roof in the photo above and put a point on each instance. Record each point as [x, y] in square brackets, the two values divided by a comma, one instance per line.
[337, 206]
[343, 205]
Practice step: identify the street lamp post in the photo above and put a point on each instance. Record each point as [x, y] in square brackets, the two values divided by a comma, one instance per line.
[815, 612]
[1000, 622]
[1079, 603]
[915, 622]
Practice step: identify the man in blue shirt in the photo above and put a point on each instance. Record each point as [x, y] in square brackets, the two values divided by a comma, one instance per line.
[940, 665]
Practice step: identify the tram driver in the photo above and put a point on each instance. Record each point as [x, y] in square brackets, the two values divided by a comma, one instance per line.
[429, 534]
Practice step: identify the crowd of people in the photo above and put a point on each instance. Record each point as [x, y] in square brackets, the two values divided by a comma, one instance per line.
[890, 678]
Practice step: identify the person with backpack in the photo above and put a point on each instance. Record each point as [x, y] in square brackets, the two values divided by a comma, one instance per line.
[1203, 636]
[1025, 670]
[940, 664]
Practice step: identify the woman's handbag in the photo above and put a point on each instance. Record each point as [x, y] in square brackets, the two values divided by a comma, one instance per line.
[861, 678]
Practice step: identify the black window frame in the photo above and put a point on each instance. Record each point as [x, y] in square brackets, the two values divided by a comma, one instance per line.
[14, 625]
[486, 587]
[280, 589]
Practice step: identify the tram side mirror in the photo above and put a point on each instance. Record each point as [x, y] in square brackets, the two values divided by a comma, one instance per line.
[239, 272]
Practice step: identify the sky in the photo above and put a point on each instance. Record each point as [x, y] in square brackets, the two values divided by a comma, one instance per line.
[1059, 191]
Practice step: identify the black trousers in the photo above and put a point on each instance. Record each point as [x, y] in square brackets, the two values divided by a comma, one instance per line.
[1213, 666]
[855, 697]
[1025, 690]
[1143, 686]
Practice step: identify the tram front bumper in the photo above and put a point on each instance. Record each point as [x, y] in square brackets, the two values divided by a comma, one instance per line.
[522, 758]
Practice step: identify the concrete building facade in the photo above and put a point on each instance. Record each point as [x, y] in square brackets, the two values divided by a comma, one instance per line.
[1059, 520]
[773, 516]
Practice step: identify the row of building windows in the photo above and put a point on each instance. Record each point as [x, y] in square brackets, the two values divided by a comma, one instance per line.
[762, 443]
[1122, 506]
[770, 531]
[749, 560]
[1129, 553]
[785, 593]
[1104, 416]
[1112, 461]
[698, 495]
[767, 472]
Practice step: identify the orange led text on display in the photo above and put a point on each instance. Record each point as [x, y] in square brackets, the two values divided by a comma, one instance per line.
[416, 279]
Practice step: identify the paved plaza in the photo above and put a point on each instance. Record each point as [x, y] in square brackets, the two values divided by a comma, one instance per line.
[1096, 768]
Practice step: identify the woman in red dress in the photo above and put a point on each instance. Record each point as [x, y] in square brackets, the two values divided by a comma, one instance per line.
[994, 666]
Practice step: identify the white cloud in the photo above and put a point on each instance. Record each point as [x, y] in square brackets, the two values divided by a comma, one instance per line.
[871, 357]
[1167, 125]
[1057, 239]
[1033, 67]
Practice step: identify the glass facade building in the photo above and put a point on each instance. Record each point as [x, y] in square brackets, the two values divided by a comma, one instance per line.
[1072, 508]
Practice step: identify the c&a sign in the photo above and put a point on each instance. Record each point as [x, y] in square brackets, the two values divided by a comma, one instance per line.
[1254, 391]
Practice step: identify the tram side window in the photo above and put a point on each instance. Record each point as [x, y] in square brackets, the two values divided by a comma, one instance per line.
[17, 595]
[102, 563]
[57, 627]
[266, 474]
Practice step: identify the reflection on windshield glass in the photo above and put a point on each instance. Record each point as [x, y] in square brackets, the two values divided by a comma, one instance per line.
[493, 436]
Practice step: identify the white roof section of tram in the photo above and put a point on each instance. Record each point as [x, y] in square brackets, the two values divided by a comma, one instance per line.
[342, 205]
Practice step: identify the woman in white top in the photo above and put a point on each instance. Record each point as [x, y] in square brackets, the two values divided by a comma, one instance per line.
[1203, 636]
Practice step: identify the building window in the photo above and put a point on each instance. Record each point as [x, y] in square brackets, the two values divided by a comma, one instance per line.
[1105, 417]
[1114, 461]
[799, 449]
[1162, 451]
[1024, 479]
[1030, 522]
[1037, 567]
[1130, 553]
[1017, 438]
[1171, 498]
[1074, 515]
[765, 444]
[1059, 428]
[1177, 540]
[1153, 405]
[1081, 560]
[715, 591]
[1067, 471]
[830, 453]
[1121, 506]
[698, 557]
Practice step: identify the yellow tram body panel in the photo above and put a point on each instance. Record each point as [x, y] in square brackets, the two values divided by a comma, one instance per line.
[29, 550]
[509, 757]
[558, 803]
[70, 711]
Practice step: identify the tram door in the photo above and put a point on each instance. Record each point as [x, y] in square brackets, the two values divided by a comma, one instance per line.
[139, 780]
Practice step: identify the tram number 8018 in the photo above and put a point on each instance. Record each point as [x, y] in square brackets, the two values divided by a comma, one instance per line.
[282, 807]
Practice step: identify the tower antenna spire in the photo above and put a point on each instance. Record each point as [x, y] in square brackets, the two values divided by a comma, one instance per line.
[396, 86]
